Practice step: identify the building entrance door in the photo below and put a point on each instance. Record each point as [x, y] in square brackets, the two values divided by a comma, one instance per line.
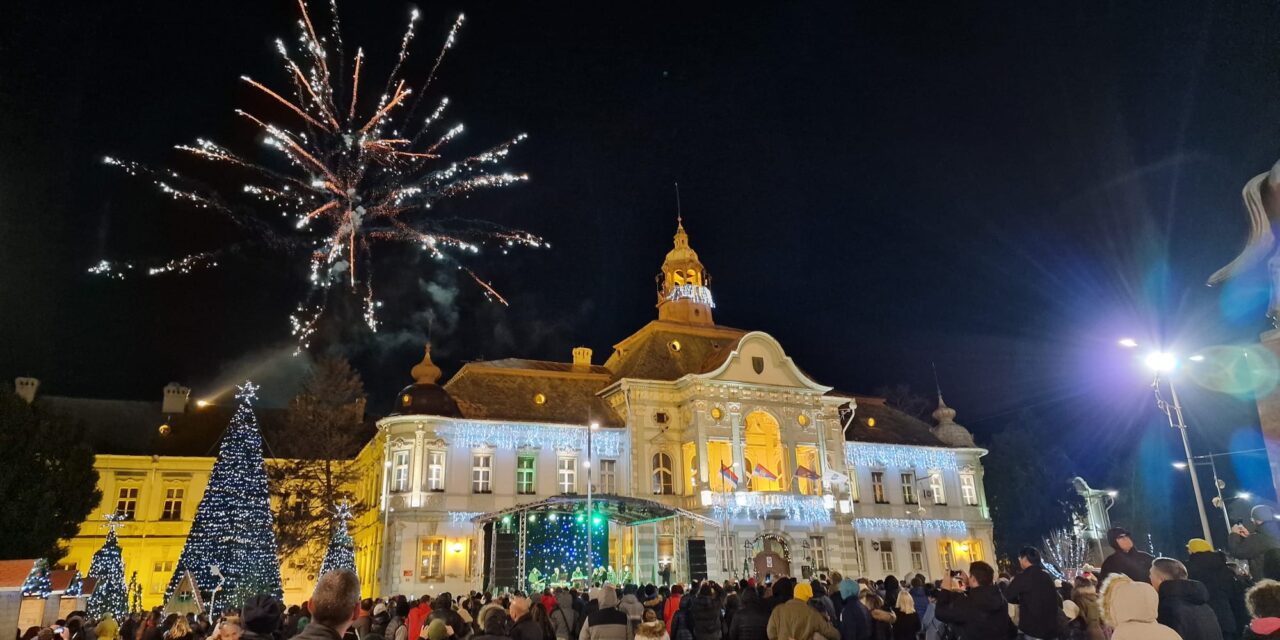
[771, 565]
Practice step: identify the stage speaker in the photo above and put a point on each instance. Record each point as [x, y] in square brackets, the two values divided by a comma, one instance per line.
[697, 560]
[505, 560]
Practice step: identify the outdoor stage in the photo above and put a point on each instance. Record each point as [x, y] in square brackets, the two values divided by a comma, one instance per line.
[545, 543]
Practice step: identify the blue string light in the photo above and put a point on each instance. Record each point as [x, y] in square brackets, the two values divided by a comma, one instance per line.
[861, 454]
[906, 525]
[559, 543]
[464, 517]
[757, 506]
[341, 553]
[107, 567]
[607, 443]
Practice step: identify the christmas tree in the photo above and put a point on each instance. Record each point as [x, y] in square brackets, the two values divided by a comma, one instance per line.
[38, 584]
[107, 566]
[341, 553]
[232, 544]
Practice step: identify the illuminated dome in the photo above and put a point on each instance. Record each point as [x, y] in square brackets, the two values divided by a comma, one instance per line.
[425, 396]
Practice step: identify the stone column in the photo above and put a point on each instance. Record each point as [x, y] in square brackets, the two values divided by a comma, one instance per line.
[416, 466]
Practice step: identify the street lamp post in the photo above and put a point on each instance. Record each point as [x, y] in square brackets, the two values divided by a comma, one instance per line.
[1210, 459]
[591, 560]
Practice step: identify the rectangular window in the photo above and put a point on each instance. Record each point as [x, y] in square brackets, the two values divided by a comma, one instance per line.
[482, 473]
[567, 475]
[908, 488]
[818, 546]
[917, 555]
[127, 502]
[400, 471]
[164, 567]
[431, 559]
[728, 555]
[435, 470]
[937, 488]
[608, 477]
[862, 556]
[173, 503]
[525, 479]
[853, 484]
[948, 556]
[969, 489]
[877, 487]
[886, 556]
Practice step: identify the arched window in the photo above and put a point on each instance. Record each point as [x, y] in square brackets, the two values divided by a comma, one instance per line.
[663, 480]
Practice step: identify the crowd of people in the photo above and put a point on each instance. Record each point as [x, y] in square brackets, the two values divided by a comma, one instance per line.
[1133, 596]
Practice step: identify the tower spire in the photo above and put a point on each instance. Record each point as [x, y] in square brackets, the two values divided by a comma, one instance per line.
[683, 295]
[679, 213]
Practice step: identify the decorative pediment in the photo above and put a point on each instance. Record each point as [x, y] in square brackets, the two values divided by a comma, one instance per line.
[759, 359]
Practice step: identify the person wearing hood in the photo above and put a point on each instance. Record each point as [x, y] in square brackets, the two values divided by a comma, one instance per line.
[671, 605]
[631, 606]
[417, 620]
[1036, 595]
[980, 612]
[855, 620]
[1259, 543]
[1127, 559]
[794, 618]
[651, 628]
[1226, 593]
[607, 622]
[1263, 600]
[1085, 596]
[705, 617]
[1184, 604]
[563, 618]
[751, 622]
[1130, 608]
[822, 601]
[891, 589]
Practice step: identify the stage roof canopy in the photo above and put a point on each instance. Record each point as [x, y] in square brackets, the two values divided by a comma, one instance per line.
[622, 509]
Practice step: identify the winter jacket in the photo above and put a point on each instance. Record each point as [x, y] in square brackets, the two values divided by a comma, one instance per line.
[317, 631]
[652, 631]
[107, 629]
[394, 626]
[920, 598]
[930, 625]
[526, 628]
[882, 624]
[1262, 628]
[453, 619]
[1226, 592]
[563, 618]
[418, 620]
[855, 620]
[669, 609]
[1038, 602]
[1131, 609]
[796, 620]
[631, 606]
[704, 618]
[1086, 598]
[906, 626]
[1184, 607]
[979, 614]
[1262, 547]
[1135, 564]
[607, 622]
[363, 625]
[751, 622]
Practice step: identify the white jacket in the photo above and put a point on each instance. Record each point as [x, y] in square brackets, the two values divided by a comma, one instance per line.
[1131, 610]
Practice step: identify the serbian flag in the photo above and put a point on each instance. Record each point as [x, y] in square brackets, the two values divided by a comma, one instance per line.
[764, 472]
[728, 473]
[805, 472]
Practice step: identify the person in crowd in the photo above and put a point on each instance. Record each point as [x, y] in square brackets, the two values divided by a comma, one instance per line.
[1130, 609]
[1226, 592]
[1085, 596]
[107, 628]
[890, 590]
[705, 618]
[1263, 602]
[607, 622]
[442, 609]
[179, 630]
[261, 618]
[918, 593]
[490, 609]
[396, 625]
[1036, 595]
[523, 626]
[651, 628]
[364, 624]
[418, 617]
[548, 601]
[882, 618]
[1184, 604]
[671, 604]
[1071, 625]
[680, 629]
[1259, 543]
[931, 628]
[496, 629]
[304, 618]
[907, 625]
[794, 618]
[653, 600]
[974, 606]
[1127, 559]
[290, 628]
[751, 622]
[544, 621]
[334, 606]
[564, 620]
[630, 604]
[833, 592]
[229, 629]
[822, 602]
[732, 602]
[381, 616]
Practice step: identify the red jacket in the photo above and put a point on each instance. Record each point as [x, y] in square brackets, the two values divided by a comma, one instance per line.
[672, 605]
[417, 617]
[549, 603]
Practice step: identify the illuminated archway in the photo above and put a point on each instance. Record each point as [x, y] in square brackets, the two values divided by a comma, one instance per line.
[763, 448]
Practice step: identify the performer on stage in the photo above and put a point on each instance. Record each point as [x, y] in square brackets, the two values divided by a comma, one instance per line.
[579, 578]
[536, 581]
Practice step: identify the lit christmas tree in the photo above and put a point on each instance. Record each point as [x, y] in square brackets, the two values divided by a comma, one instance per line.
[341, 553]
[232, 529]
[37, 584]
[107, 566]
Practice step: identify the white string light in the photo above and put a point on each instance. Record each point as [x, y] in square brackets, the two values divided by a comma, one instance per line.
[516, 436]
[861, 454]
[908, 525]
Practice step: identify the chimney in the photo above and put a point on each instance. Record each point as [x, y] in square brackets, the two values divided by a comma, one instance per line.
[581, 358]
[175, 398]
[26, 388]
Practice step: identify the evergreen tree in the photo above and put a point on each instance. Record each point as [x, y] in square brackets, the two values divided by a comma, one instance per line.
[341, 553]
[233, 527]
[110, 594]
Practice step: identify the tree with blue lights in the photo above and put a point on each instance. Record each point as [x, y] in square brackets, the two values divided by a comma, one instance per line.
[233, 528]
[341, 553]
[110, 594]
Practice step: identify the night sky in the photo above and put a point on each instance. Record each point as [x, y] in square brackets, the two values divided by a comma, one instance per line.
[1002, 189]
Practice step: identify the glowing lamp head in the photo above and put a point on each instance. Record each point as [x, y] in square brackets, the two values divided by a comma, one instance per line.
[1112, 493]
[1244, 495]
[203, 403]
[595, 426]
[1161, 362]
[1180, 466]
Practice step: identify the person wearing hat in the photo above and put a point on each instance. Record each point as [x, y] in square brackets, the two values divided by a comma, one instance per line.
[261, 617]
[1127, 559]
[1258, 543]
[1226, 592]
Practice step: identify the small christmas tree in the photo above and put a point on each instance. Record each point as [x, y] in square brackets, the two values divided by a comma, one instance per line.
[233, 527]
[110, 594]
[341, 553]
[38, 584]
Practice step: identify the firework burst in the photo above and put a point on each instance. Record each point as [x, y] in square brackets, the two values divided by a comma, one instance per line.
[347, 179]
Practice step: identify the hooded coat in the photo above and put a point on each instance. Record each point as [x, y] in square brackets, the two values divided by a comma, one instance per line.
[1262, 546]
[796, 619]
[751, 622]
[1226, 592]
[1086, 599]
[1133, 563]
[1131, 609]
[1038, 602]
[855, 620]
[608, 622]
[978, 614]
[704, 617]
[563, 618]
[1184, 607]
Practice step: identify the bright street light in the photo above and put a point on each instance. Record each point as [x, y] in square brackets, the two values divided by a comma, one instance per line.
[1128, 343]
[1196, 358]
[1244, 495]
[1180, 466]
[1113, 493]
[1161, 361]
